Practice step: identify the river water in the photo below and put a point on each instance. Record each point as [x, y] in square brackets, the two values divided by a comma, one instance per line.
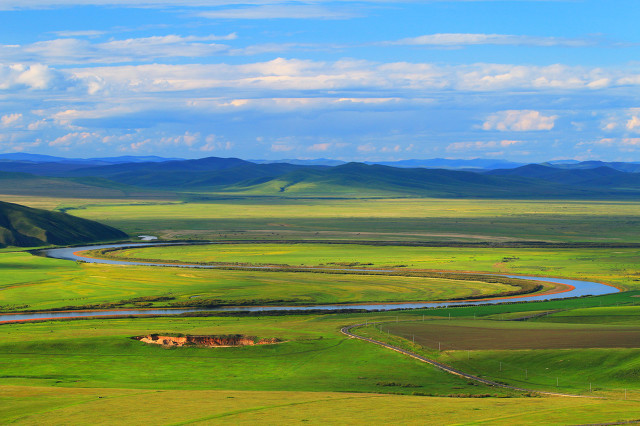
[582, 288]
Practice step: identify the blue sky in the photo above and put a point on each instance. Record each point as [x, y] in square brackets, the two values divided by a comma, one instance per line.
[351, 80]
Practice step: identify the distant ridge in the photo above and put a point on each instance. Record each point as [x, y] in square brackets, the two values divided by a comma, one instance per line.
[629, 167]
[315, 162]
[27, 227]
[444, 163]
[359, 178]
[597, 177]
[38, 158]
[204, 172]
[448, 178]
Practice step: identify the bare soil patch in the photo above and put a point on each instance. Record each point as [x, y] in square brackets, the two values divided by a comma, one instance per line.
[223, 341]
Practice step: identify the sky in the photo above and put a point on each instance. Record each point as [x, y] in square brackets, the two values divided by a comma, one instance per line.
[369, 80]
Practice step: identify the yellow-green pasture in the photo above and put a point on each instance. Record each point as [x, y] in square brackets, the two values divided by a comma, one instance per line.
[64, 406]
[615, 266]
[373, 219]
[71, 372]
[314, 356]
[36, 283]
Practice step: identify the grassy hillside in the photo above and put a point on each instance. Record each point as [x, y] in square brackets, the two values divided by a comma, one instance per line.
[190, 174]
[351, 180]
[26, 184]
[362, 179]
[26, 227]
[600, 177]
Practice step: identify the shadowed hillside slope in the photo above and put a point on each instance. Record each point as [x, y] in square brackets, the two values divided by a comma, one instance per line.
[26, 227]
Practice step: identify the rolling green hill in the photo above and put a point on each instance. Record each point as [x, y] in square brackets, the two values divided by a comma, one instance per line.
[12, 183]
[362, 179]
[239, 177]
[189, 174]
[597, 177]
[26, 227]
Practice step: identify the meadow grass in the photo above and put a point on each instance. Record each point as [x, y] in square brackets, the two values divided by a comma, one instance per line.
[33, 282]
[58, 406]
[82, 371]
[390, 219]
[586, 361]
[615, 266]
[313, 357]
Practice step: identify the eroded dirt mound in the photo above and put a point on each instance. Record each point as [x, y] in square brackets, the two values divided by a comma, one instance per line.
[208, 341]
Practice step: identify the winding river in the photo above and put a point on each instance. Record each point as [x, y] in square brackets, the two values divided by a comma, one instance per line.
[580, 288]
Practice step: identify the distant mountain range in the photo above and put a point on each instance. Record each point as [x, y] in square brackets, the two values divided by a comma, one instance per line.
[479, 178]
[444, 163]
[37, 158]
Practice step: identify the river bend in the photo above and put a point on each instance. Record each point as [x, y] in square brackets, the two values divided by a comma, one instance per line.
[581, 288]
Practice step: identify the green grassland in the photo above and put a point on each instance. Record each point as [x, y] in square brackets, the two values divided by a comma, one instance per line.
[61, 406]
[91, 371]
[314, 357]
[615, 266]
[564, 351]
[369, 219]
[37, 283]
[61, 370]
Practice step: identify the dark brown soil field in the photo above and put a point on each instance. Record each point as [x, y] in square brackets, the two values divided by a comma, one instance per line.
[452, 337]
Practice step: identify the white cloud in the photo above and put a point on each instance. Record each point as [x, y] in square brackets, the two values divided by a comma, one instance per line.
[37, 125]
[281, 147]
[619, 120]
[614, 142]
[10, 119]
[367, 148]
[306, 75]
[76, 138]
[73, 50]
[35, 76]
[212, 143]
[395, 148]
[48, 4]
[480, 145]
[467, 39]
[285, 11]
[188, 139]
[519, 121]
[633, 123]
[86, 33]
[320, 147]
[18, 146]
